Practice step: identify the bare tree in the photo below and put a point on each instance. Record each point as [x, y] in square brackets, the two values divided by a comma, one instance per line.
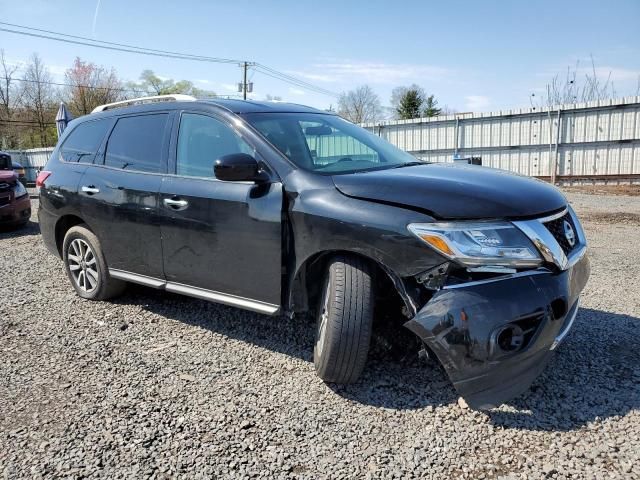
[90, 86]
[38, 100]
[447, 110]
[9, 97]
[573, 87]
[360, 105]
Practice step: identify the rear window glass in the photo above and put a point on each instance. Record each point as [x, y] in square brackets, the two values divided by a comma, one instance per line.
[83, 142]
[136, 143]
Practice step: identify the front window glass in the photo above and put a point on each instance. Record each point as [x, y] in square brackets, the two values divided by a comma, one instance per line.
[327, 143]
[201, 141]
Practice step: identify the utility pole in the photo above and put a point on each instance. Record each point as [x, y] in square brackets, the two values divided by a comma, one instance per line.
[244, 81]
[245, 87]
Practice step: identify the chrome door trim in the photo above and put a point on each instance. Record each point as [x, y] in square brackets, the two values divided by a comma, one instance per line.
[226, 299]
[204, 294]
[136, 278]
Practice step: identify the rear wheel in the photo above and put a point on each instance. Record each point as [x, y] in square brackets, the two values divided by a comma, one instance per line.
[86, 267]
[344, 320]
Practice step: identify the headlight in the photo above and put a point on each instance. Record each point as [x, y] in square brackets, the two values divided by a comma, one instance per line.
[476, 244]
[20, 190]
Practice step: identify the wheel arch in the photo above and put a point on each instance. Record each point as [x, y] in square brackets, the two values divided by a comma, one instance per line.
[304, 286]
[63, 224]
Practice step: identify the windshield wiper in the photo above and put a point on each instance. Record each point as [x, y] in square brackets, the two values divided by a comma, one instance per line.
[409, 164]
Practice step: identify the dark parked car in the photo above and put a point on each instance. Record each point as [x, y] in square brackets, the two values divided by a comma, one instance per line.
[280, 208]
[15, 206]
[20, 172]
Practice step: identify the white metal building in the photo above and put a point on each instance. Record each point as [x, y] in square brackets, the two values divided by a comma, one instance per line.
[596, 141]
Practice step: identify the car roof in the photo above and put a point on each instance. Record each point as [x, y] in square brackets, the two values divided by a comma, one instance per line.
[252, 106]
[234, 106]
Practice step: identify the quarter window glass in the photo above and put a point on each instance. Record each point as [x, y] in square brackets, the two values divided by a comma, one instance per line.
[136, 143]
[83, 142]
[201, 141]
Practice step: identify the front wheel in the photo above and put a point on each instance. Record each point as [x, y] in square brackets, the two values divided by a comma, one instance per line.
[344, 320]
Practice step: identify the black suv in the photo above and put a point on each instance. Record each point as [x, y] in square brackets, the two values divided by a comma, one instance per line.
[280, 208]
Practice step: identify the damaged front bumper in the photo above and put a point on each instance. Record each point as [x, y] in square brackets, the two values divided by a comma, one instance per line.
[494, 337]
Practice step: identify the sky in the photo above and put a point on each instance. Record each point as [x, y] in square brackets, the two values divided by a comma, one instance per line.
[472, 55]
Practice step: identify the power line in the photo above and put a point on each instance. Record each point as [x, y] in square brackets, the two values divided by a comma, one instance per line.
[59, 84]
[296, 80]
[24, 123]
[89, 87]
[119, 49]
[168, 52]
[314, 89]
[78, 40]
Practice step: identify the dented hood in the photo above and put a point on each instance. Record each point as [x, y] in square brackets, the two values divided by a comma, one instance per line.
[450, 191]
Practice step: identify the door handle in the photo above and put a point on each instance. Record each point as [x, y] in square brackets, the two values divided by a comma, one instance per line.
[175, 204]
[90, 189]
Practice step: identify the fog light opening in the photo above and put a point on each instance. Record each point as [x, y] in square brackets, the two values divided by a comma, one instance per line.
[559, 308]
[510, 338]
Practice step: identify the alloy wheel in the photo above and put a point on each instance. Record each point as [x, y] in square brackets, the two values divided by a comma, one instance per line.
[83, 265]
[324, 319]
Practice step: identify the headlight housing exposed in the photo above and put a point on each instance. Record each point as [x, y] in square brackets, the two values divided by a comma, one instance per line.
[478, 244]
[20, 191]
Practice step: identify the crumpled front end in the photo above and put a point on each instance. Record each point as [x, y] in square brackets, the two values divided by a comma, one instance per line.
[494, 337]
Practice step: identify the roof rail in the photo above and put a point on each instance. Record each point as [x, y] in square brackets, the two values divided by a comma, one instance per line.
[138, 101]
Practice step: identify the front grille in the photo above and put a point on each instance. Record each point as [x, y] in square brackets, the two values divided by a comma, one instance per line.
[556, 227]
[4, 186]
[5, 201]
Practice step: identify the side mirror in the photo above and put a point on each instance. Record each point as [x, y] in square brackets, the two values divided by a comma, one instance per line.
[238, 167]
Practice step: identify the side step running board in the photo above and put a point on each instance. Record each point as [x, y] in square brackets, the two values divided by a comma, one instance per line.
[210, 295]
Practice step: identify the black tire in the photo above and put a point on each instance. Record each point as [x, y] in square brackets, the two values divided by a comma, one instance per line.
[345, 315]
[105, 287]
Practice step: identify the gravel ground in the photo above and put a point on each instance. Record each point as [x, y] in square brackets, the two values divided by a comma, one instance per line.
[157, 385]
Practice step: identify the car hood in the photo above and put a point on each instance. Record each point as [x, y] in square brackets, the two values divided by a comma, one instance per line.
[7, 176]
[450, 191]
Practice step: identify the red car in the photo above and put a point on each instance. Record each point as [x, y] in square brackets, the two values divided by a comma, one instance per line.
[15, 206]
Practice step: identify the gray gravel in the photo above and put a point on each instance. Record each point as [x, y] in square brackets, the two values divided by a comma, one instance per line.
[157, 385]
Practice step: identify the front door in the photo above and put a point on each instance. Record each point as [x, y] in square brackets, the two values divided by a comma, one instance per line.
[220, 240]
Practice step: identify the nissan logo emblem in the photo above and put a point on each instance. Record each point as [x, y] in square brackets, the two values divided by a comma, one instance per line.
[569, 233]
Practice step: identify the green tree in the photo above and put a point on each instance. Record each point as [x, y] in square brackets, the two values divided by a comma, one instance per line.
[431, 107]
[152, 84]
[410, 104]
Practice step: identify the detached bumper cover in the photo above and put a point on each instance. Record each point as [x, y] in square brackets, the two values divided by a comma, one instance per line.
[459, 324]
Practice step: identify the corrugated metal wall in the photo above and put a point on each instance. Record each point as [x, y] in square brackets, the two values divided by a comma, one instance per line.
[586, 139]
[32, 160]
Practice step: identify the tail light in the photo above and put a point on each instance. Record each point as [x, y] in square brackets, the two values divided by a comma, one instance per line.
[42, 176]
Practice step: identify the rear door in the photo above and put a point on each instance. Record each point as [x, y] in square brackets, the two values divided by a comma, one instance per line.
[120, 193]
[220, 237]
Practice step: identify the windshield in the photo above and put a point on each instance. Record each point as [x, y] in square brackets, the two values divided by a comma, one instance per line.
[327, 143]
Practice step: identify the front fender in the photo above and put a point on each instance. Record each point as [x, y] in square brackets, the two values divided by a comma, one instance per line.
[321, 221]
